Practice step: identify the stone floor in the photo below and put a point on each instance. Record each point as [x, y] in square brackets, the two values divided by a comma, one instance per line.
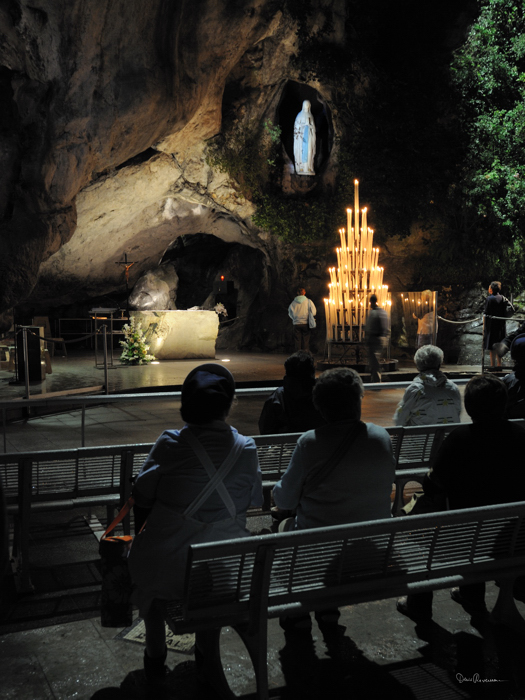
[137, 421]
[52, 645]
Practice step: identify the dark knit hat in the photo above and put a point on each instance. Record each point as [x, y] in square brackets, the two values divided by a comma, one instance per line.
[207, 393]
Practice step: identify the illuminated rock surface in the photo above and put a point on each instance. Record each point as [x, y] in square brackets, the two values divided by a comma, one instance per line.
[176, 335]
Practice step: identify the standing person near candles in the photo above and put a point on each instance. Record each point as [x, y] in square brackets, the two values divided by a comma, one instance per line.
[515, 381]
[425, 329]
[495, 328]
[376, 330]
[302, 311]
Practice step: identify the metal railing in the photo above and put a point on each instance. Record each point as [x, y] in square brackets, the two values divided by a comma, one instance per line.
[60, 404]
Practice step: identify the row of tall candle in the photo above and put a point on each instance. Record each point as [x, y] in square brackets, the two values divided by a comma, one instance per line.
[356, 276]
[348, 310]
[418, 303]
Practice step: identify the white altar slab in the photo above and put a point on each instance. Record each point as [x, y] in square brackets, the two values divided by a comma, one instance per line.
[176, 335]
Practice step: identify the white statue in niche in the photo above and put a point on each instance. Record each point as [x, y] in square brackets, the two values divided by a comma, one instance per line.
[304, 141]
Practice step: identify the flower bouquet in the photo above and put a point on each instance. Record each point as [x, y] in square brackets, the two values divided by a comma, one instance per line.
[135, 350]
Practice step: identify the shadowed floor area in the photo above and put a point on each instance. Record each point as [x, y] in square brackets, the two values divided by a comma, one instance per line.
[52, 645]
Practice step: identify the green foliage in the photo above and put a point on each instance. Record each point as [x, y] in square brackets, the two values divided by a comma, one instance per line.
[296, 220]
[315, 54]
[252, 157]
[489, 77]
[248, 153]
[447, 153]
[314, 218]
[135, 350]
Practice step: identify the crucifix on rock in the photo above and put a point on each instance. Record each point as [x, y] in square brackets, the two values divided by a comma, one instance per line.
[127, 266]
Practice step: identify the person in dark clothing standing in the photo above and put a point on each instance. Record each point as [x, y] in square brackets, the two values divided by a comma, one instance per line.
[376, 330]
[290, 409]
[495, 328]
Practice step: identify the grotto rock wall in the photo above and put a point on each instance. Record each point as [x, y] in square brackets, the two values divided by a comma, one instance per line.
[89, 91]
[106, 109]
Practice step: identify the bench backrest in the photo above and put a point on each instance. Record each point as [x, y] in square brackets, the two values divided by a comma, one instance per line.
[88, 471]
[334, 566]
[67, 474]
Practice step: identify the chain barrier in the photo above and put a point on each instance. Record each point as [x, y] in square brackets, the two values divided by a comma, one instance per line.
[470, 320]
[54, 340]
[25, 330]
[480, 319]
[229, 320]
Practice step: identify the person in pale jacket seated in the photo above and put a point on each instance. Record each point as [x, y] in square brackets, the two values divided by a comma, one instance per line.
[431, 398]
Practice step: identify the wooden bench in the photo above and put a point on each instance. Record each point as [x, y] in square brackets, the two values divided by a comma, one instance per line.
[242, 583]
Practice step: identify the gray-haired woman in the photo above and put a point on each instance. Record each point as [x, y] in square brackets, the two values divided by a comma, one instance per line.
[431, 398]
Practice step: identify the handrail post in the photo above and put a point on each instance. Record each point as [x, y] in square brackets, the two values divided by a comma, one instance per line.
[83, 428]
[105, 338]
[126, 472]
[26, 361]
[25, 477]
[4, 411]
[483, 346]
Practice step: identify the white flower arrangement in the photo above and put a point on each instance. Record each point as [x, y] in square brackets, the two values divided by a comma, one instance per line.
[135, 350]
[220, 309]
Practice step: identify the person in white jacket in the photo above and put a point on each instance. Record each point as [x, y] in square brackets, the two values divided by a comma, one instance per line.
[431, 398]
[302, 312]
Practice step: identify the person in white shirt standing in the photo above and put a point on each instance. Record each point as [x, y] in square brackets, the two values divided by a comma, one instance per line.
[302, 311]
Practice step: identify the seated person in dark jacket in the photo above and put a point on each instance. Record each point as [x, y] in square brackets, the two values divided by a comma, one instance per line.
[515, 382]
[502, 348]
[478, 464]
[290, 408]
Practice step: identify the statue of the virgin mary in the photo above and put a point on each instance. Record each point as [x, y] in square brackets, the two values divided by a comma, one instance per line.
[304, 141]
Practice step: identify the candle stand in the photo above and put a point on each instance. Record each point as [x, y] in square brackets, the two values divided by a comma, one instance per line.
[356, 277]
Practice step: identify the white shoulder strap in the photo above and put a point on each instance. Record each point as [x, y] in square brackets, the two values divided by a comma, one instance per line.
[216, 475]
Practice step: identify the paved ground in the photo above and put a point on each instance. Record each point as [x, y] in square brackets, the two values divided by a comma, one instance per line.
[52, 644]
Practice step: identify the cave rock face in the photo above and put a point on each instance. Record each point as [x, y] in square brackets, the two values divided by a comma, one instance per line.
[107, 108]
[155, 289]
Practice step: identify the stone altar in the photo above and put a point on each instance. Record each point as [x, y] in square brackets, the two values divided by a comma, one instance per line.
[177, 335]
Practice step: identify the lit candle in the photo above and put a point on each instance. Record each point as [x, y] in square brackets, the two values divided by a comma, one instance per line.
[356, 206]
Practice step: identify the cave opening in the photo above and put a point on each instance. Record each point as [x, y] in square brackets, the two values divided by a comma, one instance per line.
[290, 105]
[213, 271]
